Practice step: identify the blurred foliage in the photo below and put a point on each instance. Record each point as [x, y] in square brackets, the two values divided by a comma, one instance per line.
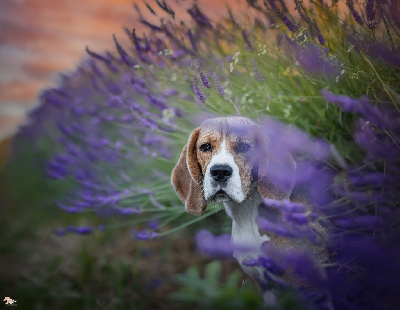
[210, 293]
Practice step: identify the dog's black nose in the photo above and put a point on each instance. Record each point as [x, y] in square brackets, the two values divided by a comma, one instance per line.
[221, 173]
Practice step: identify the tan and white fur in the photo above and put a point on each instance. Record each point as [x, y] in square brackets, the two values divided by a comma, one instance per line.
[228, 160]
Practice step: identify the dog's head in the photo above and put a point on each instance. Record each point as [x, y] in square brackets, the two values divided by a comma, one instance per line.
[225, 159]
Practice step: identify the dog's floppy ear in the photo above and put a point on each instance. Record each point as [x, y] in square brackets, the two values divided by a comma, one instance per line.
[187, 178]
[276, 170]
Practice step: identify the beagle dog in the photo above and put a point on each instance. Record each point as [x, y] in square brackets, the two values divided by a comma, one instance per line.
[227, 160]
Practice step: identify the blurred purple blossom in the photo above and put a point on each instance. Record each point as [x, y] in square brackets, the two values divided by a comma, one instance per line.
[199, 17]
[362, 221]
[217, 246]
[153, 224]
[363, 106]
[82, 230]
[144, 234]
[288, 230]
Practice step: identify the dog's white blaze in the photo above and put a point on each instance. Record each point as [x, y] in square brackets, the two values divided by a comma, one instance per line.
[234, 184]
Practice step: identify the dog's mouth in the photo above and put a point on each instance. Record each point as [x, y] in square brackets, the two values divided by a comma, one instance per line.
[220, 196]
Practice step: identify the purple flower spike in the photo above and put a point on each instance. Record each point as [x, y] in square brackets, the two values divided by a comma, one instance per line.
[251, 262]
[144, 234]
[217, 246]
[291, 231]
[124, 55]
[369, 8]
[60, 232]
[257, 74]
[200, 96]
[199, 17]
[321, 39]
[355, 14]
[218, 84]
[97, 56]
[362, 221]
[286, 205]
[153, 224]
[56, 169]
[166, 8]
[247, 41]
[204, 79]
[270, 265]
[362, 105]
[288, 23]
[83, 230]
[297, 218]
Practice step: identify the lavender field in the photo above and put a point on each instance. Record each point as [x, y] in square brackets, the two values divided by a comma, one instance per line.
[90, 220]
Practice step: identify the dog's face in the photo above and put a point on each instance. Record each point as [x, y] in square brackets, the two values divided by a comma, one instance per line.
[225, 159]
[225, 153]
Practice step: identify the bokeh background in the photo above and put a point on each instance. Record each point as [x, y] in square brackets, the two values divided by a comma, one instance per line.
[39, 39]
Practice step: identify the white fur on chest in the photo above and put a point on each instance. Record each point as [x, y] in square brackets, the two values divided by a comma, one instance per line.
[244, 227]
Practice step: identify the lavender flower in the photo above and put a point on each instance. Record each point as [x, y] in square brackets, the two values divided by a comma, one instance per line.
[291, 231]
[361, 221]
[314, 61]
[72, 229]
[218, 84]
[270, 265]
[247, 41]
[124, 55]
[204, 79]
[288, 23]
[257, 74]
[97, 56]
[166, 8]
[153, 224]
[210, 245]
[144, 234]
[197, 90]
[320, 37]
[236, 106]
[362, 106]
[355, 14]
[199, 17]
[192, 40]
[83, 230]
[370, 12]
[217, 246]
[150, 9]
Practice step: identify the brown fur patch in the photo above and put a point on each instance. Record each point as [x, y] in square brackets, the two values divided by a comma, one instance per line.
[212, 136]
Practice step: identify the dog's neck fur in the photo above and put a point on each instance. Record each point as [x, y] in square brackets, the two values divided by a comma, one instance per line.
[244, 227]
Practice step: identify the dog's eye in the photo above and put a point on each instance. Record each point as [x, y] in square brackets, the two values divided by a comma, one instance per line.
[206, 147]
[242, 147]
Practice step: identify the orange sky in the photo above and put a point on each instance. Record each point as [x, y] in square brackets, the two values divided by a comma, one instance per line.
[39, 38]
